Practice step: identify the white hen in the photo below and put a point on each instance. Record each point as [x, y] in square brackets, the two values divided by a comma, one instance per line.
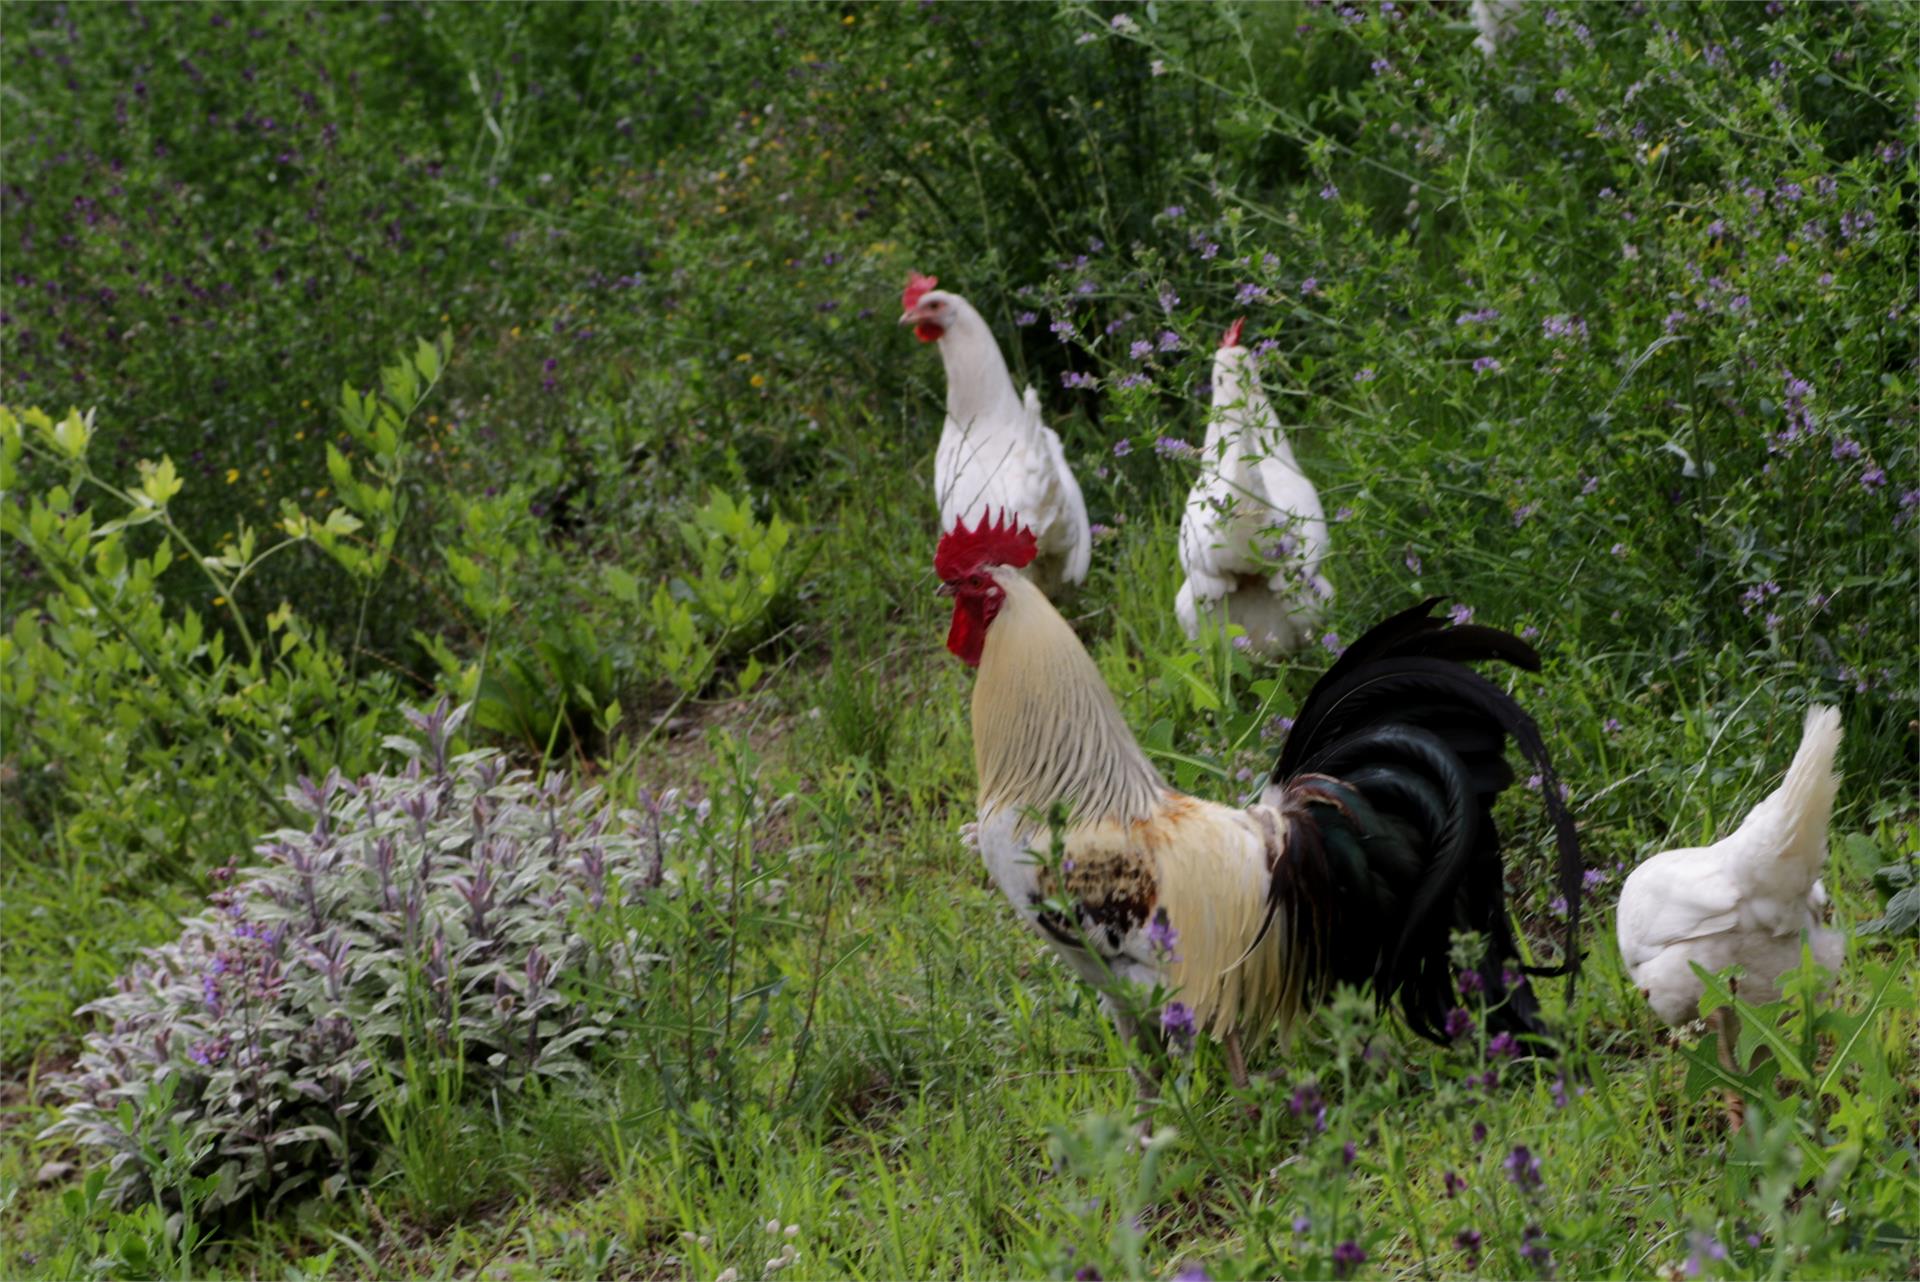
[996, 455]
[1495, 21]
[1253, 534]
[1746, 900]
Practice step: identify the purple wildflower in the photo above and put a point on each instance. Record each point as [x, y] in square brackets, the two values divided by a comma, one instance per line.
[1459, 1023]
[1523, 1168]
[1564, 327]
[1063, 330]
[1331, 641]
[1413, 563]
[1162, 937]
[1026, 318]
[1364, 376]
[1533, 1249]
[1311, 285]
[1302, 1225]
[1074, 378]
[1611, 725]
[1176, 1020]
[1135, 379]
[1173, 447]
[1467, 1241]
[1169, 341]
[1503, 1046]
[1348, 1256]
[1122, 447]
[1486, 365]
[1329, 192]
[1460, 614]
[1141, 349]
[1173, 211]
[1455, 1183]
[1872, 479]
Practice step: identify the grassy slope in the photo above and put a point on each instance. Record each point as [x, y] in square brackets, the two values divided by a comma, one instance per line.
[950, 1049]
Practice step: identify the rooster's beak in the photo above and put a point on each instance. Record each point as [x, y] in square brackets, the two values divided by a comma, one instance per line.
[910, 318]
[945, 589]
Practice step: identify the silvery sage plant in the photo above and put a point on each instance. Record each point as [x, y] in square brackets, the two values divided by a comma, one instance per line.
[453, 912]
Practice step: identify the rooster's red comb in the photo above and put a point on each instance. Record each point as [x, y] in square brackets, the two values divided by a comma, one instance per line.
[994, 541]
[1232, 338]
[917, 286]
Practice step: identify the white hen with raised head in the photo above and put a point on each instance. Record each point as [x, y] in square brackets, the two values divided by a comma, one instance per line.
[1746, 900]
[1253, 534]
[996, 454]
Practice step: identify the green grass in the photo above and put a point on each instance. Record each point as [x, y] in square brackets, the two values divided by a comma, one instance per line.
[878, 1055]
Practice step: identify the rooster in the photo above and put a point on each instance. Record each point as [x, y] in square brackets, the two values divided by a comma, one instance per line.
[995, 452]
[1251, 507]
[1372, 841]
[1747, 900]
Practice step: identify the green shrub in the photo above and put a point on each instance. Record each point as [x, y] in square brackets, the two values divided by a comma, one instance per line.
[431, 922]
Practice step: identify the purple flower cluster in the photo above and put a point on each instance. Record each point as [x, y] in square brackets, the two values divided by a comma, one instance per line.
[1568, 327]
[1177, 1022]
[1523, 1169]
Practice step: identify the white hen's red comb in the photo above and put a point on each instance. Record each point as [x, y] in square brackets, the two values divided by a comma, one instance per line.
[917, 286]
[1232, 338]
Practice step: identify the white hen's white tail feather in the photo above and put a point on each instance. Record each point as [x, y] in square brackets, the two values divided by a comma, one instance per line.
[1790, 826]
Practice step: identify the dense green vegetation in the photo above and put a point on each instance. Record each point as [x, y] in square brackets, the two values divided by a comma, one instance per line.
[1609, 337]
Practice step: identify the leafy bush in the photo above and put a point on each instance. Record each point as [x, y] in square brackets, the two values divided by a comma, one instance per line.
[434, 918]
[718, 606]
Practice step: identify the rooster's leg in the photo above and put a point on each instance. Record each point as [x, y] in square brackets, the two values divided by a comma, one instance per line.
[1236, 1061]
[1727, 1025]
[1145, 1084]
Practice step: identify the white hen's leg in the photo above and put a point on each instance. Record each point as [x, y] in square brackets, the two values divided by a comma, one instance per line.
[1726, 1025]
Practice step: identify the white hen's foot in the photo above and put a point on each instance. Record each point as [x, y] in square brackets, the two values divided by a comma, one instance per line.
[970, 836]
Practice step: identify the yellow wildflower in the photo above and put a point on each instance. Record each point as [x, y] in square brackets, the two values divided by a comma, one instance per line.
[233, 474]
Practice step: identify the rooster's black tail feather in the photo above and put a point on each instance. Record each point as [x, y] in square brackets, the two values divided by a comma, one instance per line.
[1387, 784]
